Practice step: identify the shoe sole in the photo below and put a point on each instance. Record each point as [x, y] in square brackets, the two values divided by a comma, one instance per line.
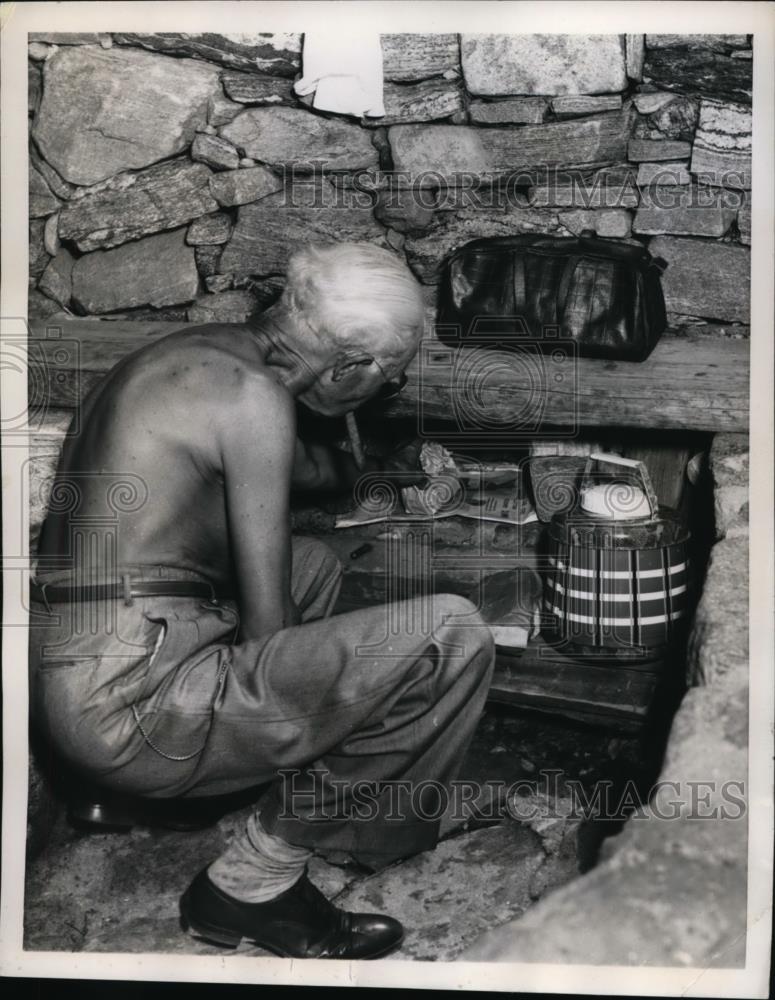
[228, 939]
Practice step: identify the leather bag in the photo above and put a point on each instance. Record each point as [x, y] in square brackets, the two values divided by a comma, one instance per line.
[603, 294]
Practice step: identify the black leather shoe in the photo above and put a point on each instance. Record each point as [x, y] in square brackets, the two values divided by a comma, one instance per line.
[299, 923]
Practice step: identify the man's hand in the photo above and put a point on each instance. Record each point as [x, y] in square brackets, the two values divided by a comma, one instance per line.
[402, 466]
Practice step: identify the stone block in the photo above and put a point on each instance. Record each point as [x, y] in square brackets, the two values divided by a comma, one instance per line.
[426, 101]
[634, 55]
[406, 210]
[730, 470]
[249, 88]
[138, 204]
[277, 54]
[671, 119]
[511, 111]
[719, 642]
[292, 136]
[156, 271]
[108, 110]
[38, 257]
[51, 235]
[57, 280]
[42, 201]
[239, 187]
[682, 210]
[34, 88]
[650, 101]
[716, 43]
[543, 64]
[215, 152]
[40, 51]
[569, 107]
[721, 154]
[269, 231]
[224, 307]
[611, 222]
[207, 258]
[699, 72]
[662, 173]
[611, 187]
[408, 57]
[705, 279]
[59, 187]
[40, 306]
[657, 150]
[435, 153]
[209, 230]
[220, 110]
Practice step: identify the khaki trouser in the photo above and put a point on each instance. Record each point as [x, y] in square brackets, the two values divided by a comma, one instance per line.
[159, 699]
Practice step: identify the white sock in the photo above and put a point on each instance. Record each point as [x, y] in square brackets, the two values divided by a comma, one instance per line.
[257, 866]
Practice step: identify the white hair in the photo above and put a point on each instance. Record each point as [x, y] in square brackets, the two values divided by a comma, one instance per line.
[356, 296]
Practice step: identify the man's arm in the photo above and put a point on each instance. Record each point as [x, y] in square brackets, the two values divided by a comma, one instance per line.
[257, 449]
[319, 467]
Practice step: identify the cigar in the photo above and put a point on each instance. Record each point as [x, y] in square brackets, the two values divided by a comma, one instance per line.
[355, 440]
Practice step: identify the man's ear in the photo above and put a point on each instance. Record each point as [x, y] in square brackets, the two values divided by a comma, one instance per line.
[347, 364]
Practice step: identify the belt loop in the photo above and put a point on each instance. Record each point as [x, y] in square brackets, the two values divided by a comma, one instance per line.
[127, 586]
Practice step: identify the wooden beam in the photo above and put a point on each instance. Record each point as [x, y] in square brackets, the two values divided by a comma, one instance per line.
[688, 382]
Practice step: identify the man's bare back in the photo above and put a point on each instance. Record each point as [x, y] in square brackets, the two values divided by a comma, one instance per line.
[168, 415]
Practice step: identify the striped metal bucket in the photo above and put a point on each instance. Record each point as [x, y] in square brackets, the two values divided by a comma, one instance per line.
[617, 584]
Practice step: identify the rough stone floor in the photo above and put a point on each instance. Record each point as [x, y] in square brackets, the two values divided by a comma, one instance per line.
[119, 892]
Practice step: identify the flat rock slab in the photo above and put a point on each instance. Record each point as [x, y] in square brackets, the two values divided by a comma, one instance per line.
[682, 210]
[717, 43]
[662, 173]
[214, 152]
[699, 72]
[584, 105]
[418, 102]
[278, 54]
[705, 279]
[409, 57]
[249, 88]
[57, 280]
[239, 187]
[721, 153]
[156, 271]
[543, 64]
[657, 150]
[138, 204]
[108, 110]
[269, 231]
[292, 136]
[209, 230]
[446, 897]
[42, 201]
[511, 111]
[430, 154]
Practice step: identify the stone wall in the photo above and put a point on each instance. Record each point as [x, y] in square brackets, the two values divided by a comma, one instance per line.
[171, 176]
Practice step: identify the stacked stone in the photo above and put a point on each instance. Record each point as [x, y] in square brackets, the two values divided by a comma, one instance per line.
[172, 176]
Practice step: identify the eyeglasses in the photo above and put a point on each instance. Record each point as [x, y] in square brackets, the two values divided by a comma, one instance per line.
[391, 387]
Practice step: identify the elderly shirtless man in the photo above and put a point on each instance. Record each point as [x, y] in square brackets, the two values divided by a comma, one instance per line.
[182, 642]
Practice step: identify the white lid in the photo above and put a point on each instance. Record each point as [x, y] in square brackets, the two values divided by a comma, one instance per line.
[617, 501]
